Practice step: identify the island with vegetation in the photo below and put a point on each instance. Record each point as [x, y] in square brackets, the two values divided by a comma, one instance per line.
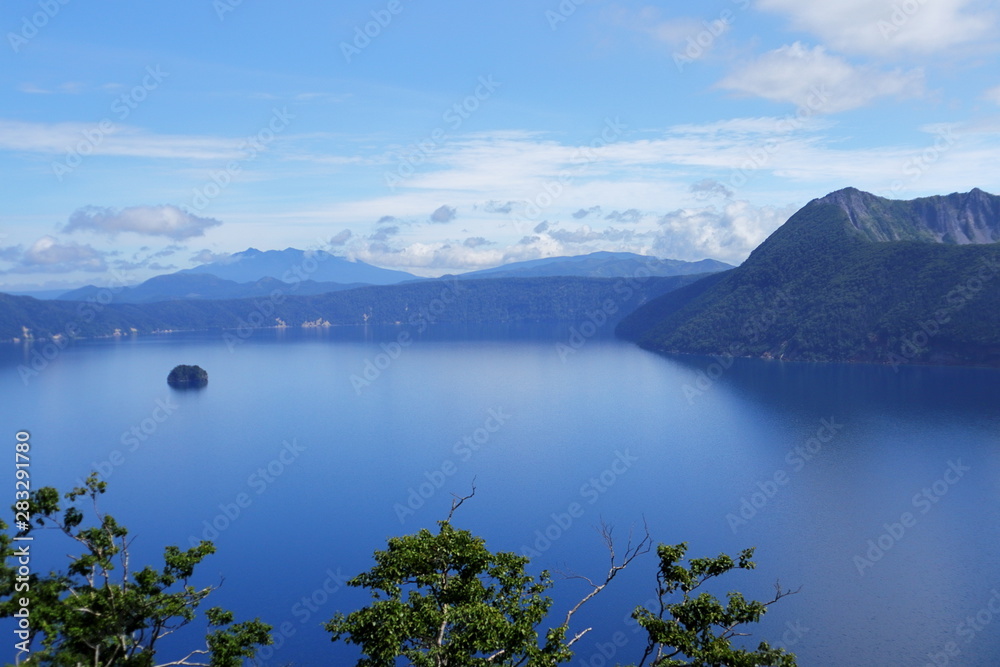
[187, 376]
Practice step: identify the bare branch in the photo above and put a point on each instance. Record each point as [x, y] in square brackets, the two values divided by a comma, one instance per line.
[632, 551]
[184, 661]
[458, 500]
[496, 655]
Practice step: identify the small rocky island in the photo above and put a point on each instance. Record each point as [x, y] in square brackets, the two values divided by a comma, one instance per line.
[184, 376]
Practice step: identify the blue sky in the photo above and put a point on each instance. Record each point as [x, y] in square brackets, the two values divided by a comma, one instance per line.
[143, 137]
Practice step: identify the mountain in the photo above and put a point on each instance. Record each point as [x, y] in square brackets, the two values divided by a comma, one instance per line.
[601, 301]
[972, 217]
[299, 274]
[600, 265]
[291, 265]
[200, 286]
[39, 294]
[849, 277]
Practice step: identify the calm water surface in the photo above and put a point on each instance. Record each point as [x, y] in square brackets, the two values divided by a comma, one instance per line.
[875, 491]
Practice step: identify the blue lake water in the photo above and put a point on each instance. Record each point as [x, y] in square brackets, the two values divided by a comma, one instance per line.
[876, 491]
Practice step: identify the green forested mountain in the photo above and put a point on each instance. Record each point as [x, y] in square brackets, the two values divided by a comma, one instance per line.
[850, 277]
[417, 304]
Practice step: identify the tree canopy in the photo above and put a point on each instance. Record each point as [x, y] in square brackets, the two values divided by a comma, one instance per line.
[443, 599]
[101, 612]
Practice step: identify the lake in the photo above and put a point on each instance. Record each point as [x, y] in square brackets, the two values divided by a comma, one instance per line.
[874, 491]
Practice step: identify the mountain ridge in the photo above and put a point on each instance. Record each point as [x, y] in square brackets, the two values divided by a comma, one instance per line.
[292, 265]
[298, 272]
[600, 264]
[846, 294]
[958, 218]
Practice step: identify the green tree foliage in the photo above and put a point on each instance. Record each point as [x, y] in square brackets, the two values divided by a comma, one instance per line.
[819, 290]
[697, 630]
[443, 599]
[100, 612]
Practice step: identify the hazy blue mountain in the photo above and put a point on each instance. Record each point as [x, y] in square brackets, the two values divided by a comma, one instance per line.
[850, 277]
[202, 286]
[417, 304]
[291, 265]
[600, 265]
[40, 294]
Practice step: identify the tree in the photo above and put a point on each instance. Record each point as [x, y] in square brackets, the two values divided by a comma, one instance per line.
[697, 631]
[99, 611]
[445, 600]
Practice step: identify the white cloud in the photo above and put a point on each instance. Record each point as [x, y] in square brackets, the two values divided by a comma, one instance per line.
[444, 214]
[476, 242]
[757, 160]
[168, 221]
[728, 233]
[993, 95]
[32, 89]
[341, 237]
[48, 255]
[206, 256]
[675, 32]
[890, 27]
[812, 79]
[109, 138]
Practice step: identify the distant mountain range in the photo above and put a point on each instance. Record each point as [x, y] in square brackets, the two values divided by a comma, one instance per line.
[600, 265]
[202, 286]
[417, 305]
[849, 277]
[291, 265]
[254, 273]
